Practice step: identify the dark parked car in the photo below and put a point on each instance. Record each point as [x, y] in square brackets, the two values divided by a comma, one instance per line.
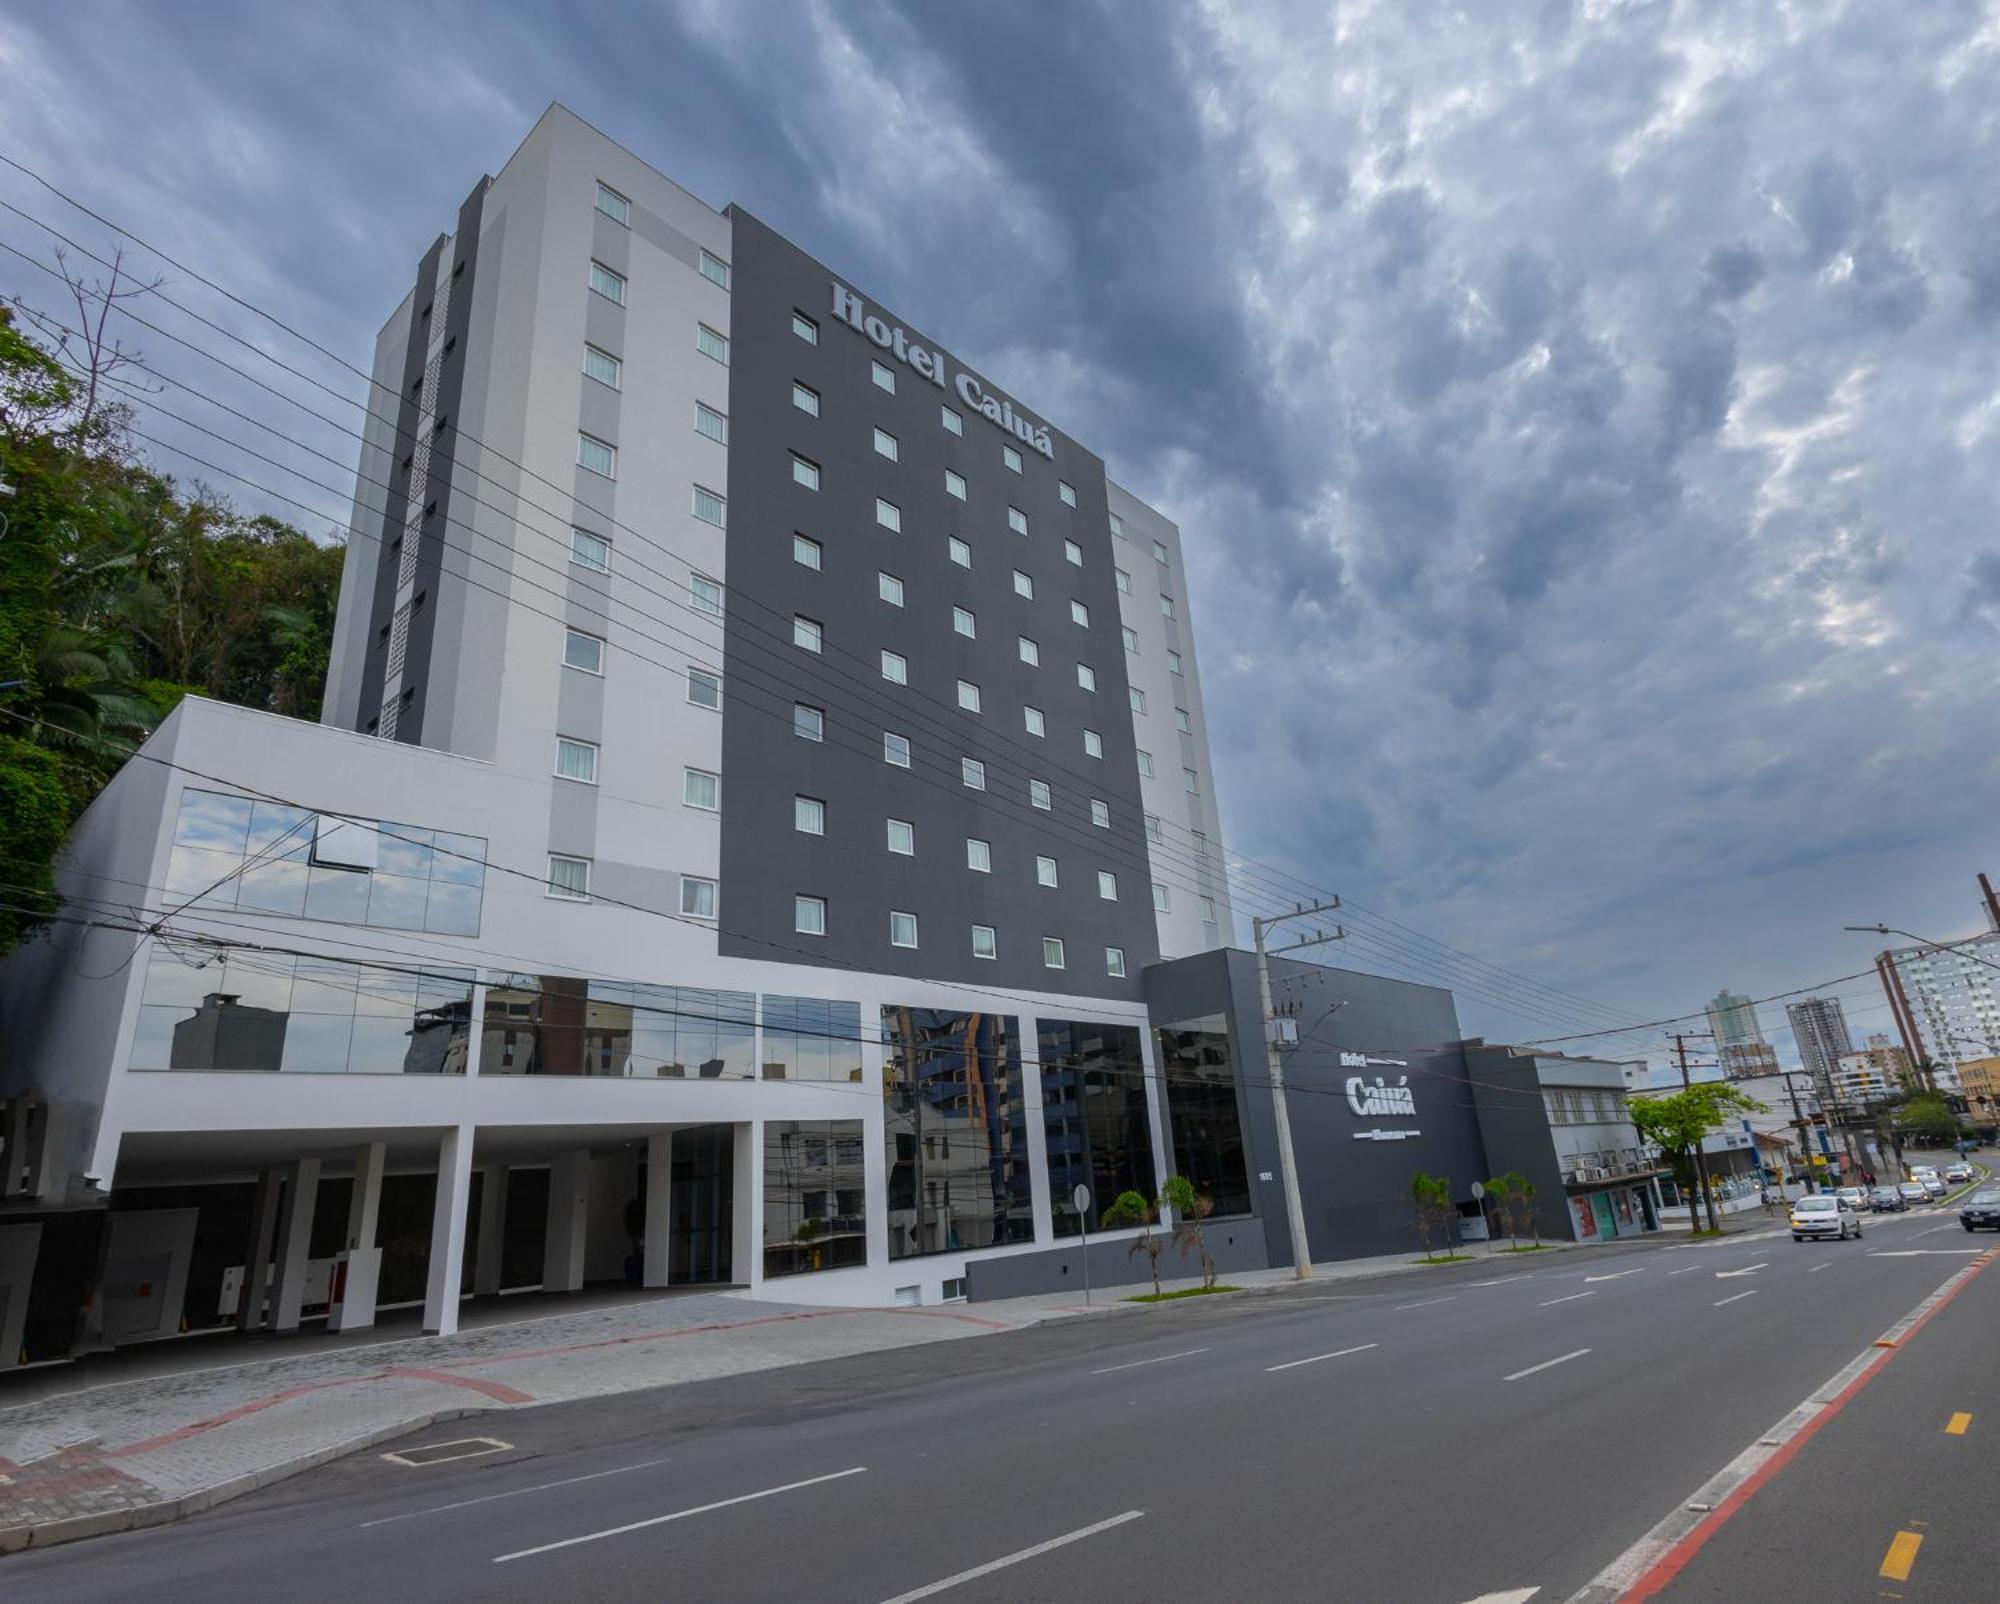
[1981, 1209]
[1887, 1200]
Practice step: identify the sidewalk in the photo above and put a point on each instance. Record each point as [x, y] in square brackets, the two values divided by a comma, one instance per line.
[183, 1428]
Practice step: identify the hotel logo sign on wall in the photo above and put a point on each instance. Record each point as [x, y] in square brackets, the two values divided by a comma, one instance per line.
[929, 364]
[1380, 1100]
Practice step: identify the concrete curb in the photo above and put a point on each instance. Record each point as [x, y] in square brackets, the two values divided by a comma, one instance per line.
[74, 1528]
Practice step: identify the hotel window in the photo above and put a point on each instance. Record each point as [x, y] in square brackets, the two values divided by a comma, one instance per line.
[599, 456]
[705, 595]
[807, 633]
[1023, 585]
[1011, 458]
[569, 878]
[614, 205]
[1086, 676]
[1100, 813]
[1166, 605]
[963, 623]
[984, 943]
[704, 688]
[1107, 885]
[1093, 744]
[1073, 553]
[895, 667]
[978, 855]
[1124, 581]
[902, 929]
[806, 552]
[606, 283]
[576, 760]
[1208, 910]
[1045, 873]
[1159, 551]
[1052, 952]
[1160, 900]
[1067, 491]
[715, 270]
[885, 444]
[1146, 765]
[809, 915]
[805, 328]
[711, 344]
[710, 508]
[954, 484]
[1173, 662]
[1031, 652]
[1138, 699]
[1017, 520]
[1154, 833]
[583, 651]
[953, 423]
[710, 423]
[1182, 722]
[902, 838]
[808, 815]
[973, 773]
[805, 398]
[805, 472]
[889, 515]
[1079, 614]
[885, 378]
[895, 750]
[1200, 843]
[1039, 795]
[1032, 718]
[968, 696]
[1117, 524]
[889, 588]
[697, 897]
[961, 553]
[1114, 961]
[808, 722]
[1190, 781]
[589, 551]
[601, 366]
[1131, 636]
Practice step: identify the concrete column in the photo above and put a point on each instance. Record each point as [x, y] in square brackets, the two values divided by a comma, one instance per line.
[354, 1310]
[653, 1250]
[1040, 1187]
[288, 1284]
[746, 1245]
[257, 1261]
[569, 1212]
[486, 1261]
[447, 1261]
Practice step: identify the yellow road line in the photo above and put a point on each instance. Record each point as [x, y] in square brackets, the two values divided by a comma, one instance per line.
[1901, 1556]
[1958, 1424]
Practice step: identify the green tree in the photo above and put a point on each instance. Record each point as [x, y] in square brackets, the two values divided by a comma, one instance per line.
[1680, 1122]
[1926, 1119]
[1513, 1197]
[1190, 1208]
[1129, 1210]
[1430, 1197]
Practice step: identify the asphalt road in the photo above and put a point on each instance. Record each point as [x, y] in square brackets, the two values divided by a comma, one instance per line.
[1434, 1438]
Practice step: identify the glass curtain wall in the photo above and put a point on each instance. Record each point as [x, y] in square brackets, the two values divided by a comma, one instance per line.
[815, 1196]
[1202, 1111]
[955, 1132]
[811, 1038]
[562, 1025]
[1094, 1116]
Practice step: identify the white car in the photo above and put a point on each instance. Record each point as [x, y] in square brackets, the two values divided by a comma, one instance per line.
[1824, 1214]
[1932, 1185]
[1961, 1172]
[1852, 1196]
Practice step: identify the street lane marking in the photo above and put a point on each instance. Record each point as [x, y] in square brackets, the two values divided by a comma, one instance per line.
[1015, 1558]
[1614, 1275]
[1690, 1270]
[435, 1453]
[1815, 1270]
[1293, 1364]
[1736, 1297]
[1918, 1253]
[1428, 1303]
[679, 1514]
[1748, 1269]
[1570, 1299]
[487, 1498]
[1546, 1364]
[1503, 1281]
[1959, 1424]
[1513, 1595]
[1901, 1556]
[1187, 1353]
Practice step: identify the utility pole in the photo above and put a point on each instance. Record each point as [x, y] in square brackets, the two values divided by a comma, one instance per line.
[1992, 901]
[1275, 1064]
[1799, 1125]
[1700, 1159]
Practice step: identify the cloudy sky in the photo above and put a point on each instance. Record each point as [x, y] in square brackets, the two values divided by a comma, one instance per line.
[1584, 420]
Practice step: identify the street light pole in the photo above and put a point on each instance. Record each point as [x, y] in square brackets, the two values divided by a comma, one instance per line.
[1275, 1067]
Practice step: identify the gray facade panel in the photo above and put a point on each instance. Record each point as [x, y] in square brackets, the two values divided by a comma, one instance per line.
[1235, 1245]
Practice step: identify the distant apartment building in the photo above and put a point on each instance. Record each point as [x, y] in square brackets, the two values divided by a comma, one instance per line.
[1946, 1003]
[1819, 1026]
[1739, 1040]
[1879, 1070]
[1979, 1081]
